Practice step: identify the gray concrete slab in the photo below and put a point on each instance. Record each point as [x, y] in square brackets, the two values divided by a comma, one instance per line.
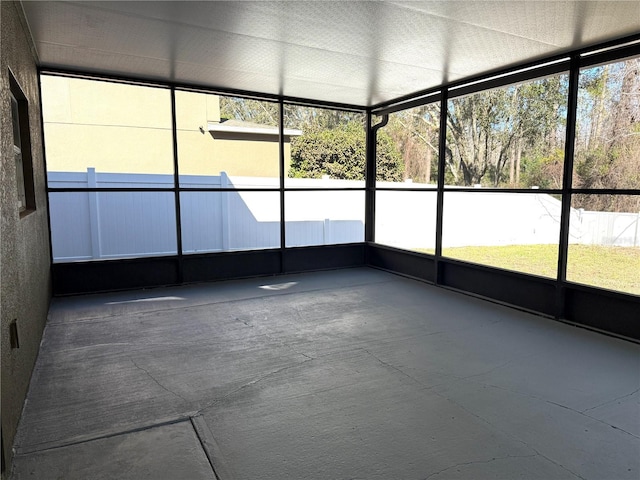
[87, 307]
[351, 416]
[347, 374]
[164, 452]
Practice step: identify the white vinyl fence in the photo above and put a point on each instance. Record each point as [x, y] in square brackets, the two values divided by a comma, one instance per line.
[102, 225]
[605, 228]
[407, 219]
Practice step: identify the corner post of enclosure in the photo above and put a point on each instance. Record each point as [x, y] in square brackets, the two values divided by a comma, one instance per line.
[281, 161]
[370, 175]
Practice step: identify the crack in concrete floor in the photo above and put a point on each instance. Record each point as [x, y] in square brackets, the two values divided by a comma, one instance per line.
[289, 336]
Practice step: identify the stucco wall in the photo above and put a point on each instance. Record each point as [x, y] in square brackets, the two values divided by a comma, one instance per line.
[24, 254]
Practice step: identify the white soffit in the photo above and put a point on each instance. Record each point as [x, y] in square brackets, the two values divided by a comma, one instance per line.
[230, 127]
[358, 53]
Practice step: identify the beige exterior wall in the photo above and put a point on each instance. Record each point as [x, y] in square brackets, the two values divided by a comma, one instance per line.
[118, 128]
[111, 127]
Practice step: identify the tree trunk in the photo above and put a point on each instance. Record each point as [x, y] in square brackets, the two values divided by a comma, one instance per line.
[518, 157]
[623, 115]
[512, 158]
[597, 114]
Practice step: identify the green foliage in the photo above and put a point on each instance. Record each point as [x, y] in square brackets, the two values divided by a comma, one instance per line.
[616, 166]
[337, 152]
[389, 165]
[543, 169]
[475, 135]
[415, 135]
[333, 142]
[594, 81]
[607, 142]
[340, 153]
[592, 167]
[511, 136]
[489, 131]
[309, 118]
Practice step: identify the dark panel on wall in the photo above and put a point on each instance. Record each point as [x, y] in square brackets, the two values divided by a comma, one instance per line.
[88, 277]
[520, 290]
[604, 310]
[221, 266]
[401, 261]
[323, 257]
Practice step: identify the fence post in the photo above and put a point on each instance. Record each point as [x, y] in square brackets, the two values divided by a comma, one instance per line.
[94, 214]
[224, 205]
[327, 231]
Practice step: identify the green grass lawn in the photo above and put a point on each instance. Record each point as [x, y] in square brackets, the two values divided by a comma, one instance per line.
[614, 268]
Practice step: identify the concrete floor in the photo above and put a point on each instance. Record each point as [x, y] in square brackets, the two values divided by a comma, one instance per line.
[350, 374]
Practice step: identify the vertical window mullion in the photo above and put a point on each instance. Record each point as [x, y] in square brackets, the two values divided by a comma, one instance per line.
[283, 239]
[442, 146]
[569, 148]
[176, 183]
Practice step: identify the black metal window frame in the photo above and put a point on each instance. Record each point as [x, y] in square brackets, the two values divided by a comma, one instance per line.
[571, 301]
[177, 189]
[433, 268]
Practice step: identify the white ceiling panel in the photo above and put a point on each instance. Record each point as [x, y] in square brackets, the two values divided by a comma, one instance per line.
[359, 53]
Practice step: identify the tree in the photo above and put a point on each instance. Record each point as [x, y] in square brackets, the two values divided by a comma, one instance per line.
[309, 118]
[490, 133]
[477, 135]
[333, 142]
[389, 165]
[340, 153]
[541, 132]
[415, 134]
[249, 110]
[608, 135]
